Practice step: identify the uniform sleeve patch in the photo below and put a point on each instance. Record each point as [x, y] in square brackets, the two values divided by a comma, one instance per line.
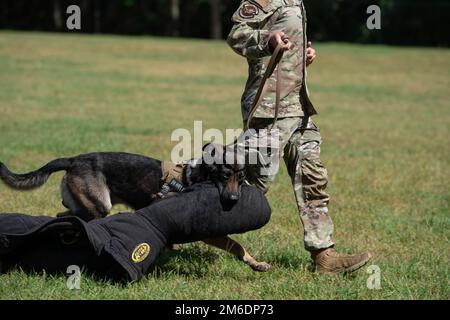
[248, 11]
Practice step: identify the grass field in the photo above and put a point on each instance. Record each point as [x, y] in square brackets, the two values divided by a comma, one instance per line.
[384, 116]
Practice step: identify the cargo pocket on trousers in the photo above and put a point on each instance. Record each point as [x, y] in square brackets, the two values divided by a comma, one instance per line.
[314, 179]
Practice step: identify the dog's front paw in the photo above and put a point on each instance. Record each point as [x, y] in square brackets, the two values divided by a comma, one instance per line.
[260, 266]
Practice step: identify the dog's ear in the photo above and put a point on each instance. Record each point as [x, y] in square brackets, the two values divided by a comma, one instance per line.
[206, 146]
[192, 172]
[234, 155]
[213, 154]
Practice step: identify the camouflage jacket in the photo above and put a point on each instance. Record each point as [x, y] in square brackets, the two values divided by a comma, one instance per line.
[253, 22]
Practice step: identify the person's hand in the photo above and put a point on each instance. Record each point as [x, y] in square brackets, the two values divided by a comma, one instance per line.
[279, 37]
[310, 54]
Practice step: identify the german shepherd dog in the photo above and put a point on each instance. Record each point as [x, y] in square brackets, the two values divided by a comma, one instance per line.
[94, 182]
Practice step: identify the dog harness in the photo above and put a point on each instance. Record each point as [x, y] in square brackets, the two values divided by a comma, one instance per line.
[123, 247]
[172, 179]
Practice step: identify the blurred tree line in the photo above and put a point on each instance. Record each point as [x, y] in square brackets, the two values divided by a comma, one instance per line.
[404, 22]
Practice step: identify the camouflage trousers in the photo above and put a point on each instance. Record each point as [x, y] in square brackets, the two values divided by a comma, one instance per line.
[299, 145]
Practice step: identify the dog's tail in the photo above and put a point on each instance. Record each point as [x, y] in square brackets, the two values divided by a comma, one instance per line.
[34, 179]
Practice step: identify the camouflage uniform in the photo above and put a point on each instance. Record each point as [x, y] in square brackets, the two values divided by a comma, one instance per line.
[299, 137]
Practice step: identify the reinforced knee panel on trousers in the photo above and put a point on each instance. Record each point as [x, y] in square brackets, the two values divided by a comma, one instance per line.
[123, 246]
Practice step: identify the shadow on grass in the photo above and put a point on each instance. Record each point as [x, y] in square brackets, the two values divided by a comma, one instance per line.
[290, 260]
[190, 262]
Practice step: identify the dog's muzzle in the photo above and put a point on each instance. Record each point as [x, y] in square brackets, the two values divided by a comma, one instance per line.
[226, 195]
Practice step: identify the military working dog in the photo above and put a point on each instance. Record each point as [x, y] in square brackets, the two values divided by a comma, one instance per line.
[95, 182]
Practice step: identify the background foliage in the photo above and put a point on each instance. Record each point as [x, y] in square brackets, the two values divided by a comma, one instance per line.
[404, 22]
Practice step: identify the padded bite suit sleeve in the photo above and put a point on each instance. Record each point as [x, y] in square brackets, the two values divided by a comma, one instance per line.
[124, 246]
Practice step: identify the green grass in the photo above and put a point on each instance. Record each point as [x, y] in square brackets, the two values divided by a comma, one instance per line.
[384, 116]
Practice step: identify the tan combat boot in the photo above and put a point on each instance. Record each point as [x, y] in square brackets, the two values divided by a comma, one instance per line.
[329, 261]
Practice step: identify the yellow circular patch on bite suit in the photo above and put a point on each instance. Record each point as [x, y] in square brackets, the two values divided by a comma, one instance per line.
[140, 253]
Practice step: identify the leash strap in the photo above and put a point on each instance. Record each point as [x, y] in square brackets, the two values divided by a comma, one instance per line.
[274, 60]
